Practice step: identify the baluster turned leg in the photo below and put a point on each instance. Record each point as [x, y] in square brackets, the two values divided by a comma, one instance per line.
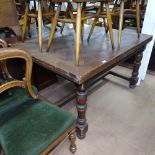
[110, 25]
[82, 125]
[134, 79]
[54, 24]
[40, 25]
[72, 139]
[138, 17]
[78, 32]
[120, 23]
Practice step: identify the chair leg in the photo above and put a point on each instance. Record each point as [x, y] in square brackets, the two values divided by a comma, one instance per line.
[138, 17]
[78, 32]
[54, 24]
[105, 26]
[40, 25]
[25, 20]
[72, 139]
[120, 23]
[110, 25]
[66, 16]
[95, 21]
[71, 15]
[82, 22]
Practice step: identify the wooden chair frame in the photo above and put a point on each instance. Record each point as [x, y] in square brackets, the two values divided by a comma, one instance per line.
[121, 16]
[103, 13]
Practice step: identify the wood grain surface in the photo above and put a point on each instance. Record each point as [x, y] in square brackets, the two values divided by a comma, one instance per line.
[96, 56]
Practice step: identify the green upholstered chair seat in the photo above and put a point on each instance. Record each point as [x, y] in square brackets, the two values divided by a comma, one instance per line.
[19, 96]
[29, 126]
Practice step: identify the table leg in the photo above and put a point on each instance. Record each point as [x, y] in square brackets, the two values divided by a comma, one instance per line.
[136, 65]
[78, 32]
[82, 125]
[138, 17]
[120, 23]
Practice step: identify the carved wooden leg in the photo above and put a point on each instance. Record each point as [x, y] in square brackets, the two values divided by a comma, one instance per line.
[78, 32]
[25, 21]
[110, 25]
[120, 23]
[138, 17]
[136, 65]
[40, 25]
[95, 21]
[72, 139]
[54, 24]
[82, 125]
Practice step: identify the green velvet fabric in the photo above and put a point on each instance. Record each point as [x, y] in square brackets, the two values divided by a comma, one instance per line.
[28, 126]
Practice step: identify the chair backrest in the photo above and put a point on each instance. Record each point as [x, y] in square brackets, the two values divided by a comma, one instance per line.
[9, 53]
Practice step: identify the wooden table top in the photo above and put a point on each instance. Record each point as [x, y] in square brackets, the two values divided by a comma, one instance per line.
[96, 56]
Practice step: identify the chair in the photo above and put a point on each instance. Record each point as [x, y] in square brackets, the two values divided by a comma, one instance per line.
[104, 13]
[121, 17]
[29, 125]
[43, 11]
[77, 19]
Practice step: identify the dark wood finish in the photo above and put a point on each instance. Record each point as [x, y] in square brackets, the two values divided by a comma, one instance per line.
[41, 77]
[137, 63]
[97, 58]
[82, 125]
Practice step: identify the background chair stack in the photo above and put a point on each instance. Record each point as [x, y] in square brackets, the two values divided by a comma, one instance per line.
[43, 11]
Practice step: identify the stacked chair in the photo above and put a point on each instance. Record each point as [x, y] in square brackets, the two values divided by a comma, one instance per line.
[79, 15]
[118, 11]
[29, 125]
[121, 13]
[77, 19]
[43, 11]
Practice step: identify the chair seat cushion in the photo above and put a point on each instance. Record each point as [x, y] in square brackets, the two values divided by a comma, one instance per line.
[17, 97]
[31, 125]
